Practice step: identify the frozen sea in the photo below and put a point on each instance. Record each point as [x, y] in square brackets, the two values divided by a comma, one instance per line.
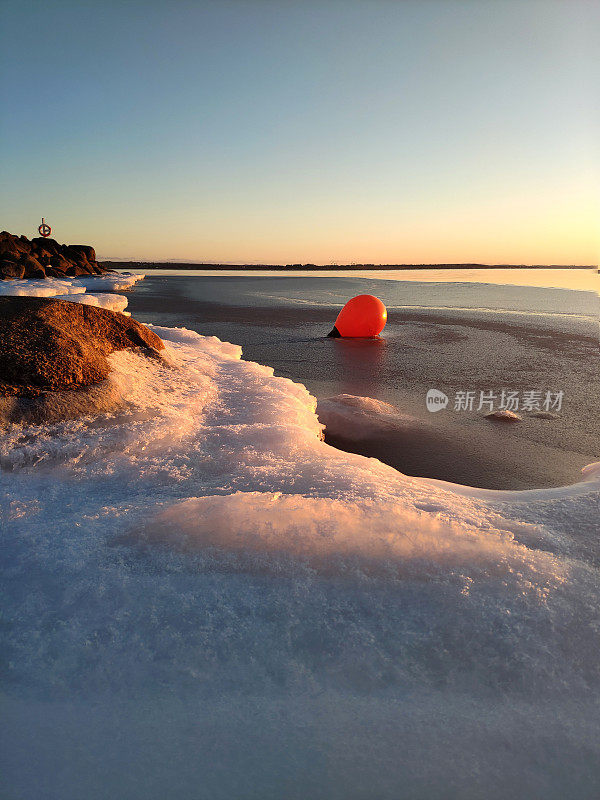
[202, 599]
[453, 330]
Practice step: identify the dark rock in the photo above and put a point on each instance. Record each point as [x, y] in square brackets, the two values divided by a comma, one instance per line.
[11, 246]
[81, 252]
[51, 245]
[76, 257]
[75, 270]
[59, 262]
[33, 268]
[51, 345]
[42, 256]
[503, 415]
[12, 269]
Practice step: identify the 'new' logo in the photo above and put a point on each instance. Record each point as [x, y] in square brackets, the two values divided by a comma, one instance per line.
[436, 400]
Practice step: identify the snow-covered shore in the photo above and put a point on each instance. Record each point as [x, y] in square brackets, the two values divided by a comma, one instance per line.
[199, 579]
[77, 290]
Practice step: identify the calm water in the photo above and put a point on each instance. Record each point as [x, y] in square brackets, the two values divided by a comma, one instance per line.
[456, 335]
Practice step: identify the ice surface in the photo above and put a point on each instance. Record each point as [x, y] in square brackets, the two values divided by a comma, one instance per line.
[203, 599]
[110, 282]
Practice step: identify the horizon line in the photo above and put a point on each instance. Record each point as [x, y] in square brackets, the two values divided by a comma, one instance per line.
[351, 265]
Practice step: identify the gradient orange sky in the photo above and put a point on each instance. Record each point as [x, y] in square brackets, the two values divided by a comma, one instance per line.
[323, 132]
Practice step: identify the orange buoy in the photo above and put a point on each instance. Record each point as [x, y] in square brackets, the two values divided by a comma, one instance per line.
[363, 316]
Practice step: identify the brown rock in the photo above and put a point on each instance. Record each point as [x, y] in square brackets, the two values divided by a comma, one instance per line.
[41, 253]
[74, 270]
[43, 257]
[81, 252]
[503, 415]
[11, 246]
[50, 245]
[55, 345]
[12, 269]
[58, 261]
[57, 266]
[33, 268]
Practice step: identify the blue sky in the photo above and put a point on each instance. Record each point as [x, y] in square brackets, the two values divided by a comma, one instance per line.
[281, 131]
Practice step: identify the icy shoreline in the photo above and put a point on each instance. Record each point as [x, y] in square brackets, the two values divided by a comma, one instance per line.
[204, 567]
[77, 290]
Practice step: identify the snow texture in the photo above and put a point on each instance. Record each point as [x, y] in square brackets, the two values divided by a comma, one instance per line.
[203, 599]
[77, 289]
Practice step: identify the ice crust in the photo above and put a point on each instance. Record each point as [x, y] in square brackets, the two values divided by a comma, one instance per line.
[360, 417]
[203, 599]
[45, 287]
[76, 289]
[112, 302]
[110, 282]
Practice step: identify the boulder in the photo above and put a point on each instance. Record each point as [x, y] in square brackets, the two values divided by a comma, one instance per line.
[40, 254]
[81, 252]
[43, 256]
[59, 262]
[53, 345]
[12, 269]
[503, 415]
[32, 267]
[75, 270]
[57, 266]
[50, 245]
[10, 246]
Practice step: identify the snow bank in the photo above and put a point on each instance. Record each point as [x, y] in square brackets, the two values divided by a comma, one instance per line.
[361, 417]
[202, 578]
[110, 282]
[262, 531]
[77, 290]
[45, 287]
[113, 302]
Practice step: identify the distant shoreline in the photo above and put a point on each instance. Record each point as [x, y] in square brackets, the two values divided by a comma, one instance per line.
[329, 267]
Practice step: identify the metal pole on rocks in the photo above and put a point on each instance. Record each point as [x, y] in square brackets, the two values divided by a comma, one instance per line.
[44, 230]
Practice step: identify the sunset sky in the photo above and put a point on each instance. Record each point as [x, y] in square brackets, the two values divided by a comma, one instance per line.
[281, 131]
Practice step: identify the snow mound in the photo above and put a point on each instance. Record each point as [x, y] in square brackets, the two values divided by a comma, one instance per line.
[359, 418]
[202, 574]
[45, 287]
[110, 282]
[112, 302]
[77, 289]
[261, 531]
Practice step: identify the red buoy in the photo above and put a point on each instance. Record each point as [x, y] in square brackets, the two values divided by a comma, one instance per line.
[363, 316]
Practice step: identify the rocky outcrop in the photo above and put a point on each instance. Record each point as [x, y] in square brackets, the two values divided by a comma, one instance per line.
[38, 258]
[52, 349]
